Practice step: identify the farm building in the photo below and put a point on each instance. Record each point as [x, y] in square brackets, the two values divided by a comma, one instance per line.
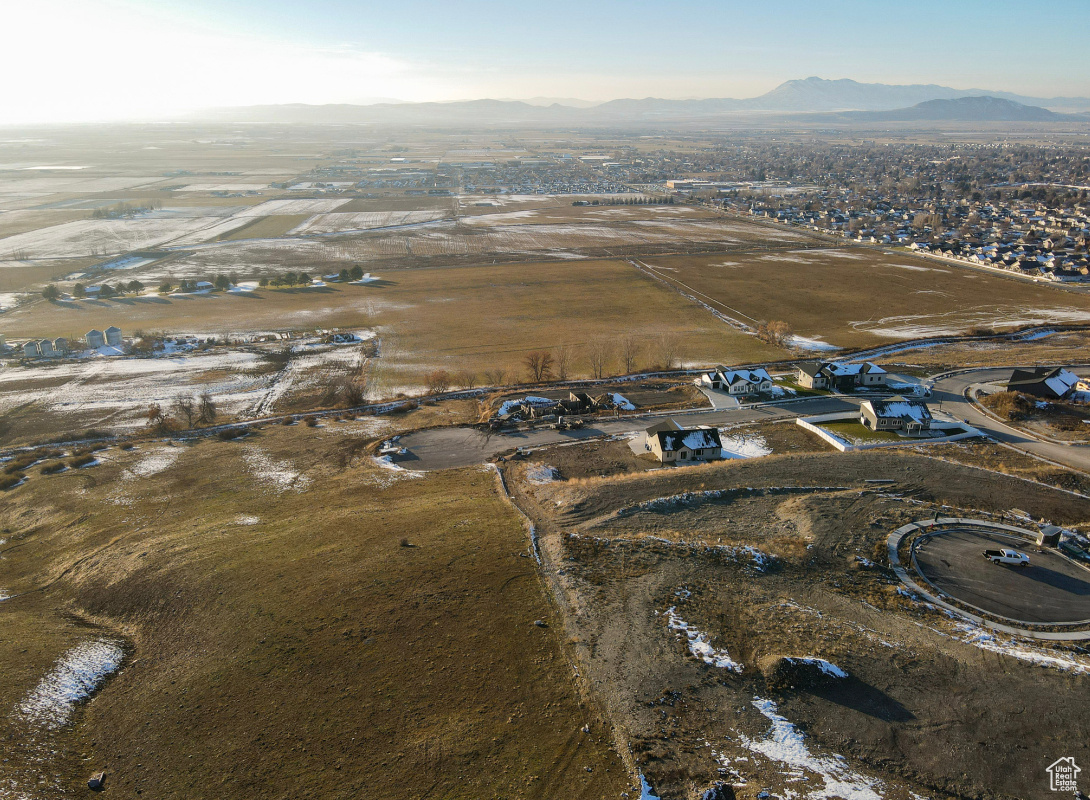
[30, 350]
[95, 339]
[839, 375]
[898, 413]
[1052, 384]
[45, 347]
[738, 382]
[671, 443]
[113, 336]
[60, 345]
[205, 286]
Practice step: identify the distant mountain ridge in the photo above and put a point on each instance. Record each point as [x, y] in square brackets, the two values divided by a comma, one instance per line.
[810, 95]
[965, 109]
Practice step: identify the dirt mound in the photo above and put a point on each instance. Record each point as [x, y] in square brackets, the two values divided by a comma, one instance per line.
[797, 672]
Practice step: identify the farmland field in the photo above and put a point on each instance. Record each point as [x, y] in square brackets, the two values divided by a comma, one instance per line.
[860, 296]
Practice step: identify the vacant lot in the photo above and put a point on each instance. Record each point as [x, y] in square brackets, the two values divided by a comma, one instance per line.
[279, 640]
[696, 587]
[858, 297]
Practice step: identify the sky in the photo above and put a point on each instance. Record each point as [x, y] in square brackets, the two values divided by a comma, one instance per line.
[91, 60]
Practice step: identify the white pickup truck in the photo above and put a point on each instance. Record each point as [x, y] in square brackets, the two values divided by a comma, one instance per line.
[1010, 557]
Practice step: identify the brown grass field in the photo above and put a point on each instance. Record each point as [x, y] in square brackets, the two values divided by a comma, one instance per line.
[265, 227]
[454, 318]
[279, 640]
[857, 297]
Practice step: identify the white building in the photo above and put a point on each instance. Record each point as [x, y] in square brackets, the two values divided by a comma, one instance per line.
[739, 382]
[95, 339]
[113, 336]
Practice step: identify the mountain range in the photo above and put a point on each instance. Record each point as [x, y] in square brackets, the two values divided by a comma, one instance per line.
[850, 100]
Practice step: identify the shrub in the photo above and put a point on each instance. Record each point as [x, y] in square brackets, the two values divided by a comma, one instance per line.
[312, 422]
[227, 434]
[81, 460]
[1009, 405]
[8, 481]
[49, 469]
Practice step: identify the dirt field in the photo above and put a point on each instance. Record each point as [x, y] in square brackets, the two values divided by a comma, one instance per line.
[856, 297]
[278, 640]
[689, 611]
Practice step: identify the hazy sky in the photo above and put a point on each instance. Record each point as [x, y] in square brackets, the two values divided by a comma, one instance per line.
[108, 59]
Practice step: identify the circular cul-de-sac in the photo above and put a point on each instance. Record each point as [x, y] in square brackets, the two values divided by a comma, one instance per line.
[1051, 590]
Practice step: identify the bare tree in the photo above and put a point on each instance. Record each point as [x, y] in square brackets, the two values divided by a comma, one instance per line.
[497, 376]
[539, 365]
[466, 379]
[668, 344]
[206, 409]
[630, 352]
[562, 357]
[437, 381]
[186, 409]
[352, 392]
[598, 355]
[776, 332]
[155, 416]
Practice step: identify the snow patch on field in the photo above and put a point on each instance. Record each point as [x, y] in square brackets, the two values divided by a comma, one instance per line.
[293, 207]
[247, 519]
[272, 472]
[153, 463]
[4, 595]
[809, 343]
[699, 645]
[787, 744]
[736, 446]
[74, 678]
[1040, 656]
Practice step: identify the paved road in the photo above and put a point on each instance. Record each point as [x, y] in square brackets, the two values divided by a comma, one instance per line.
[1050, 589]
[950, 392]
[443, 448]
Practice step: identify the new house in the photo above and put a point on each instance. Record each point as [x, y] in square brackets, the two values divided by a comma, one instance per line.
[906, 415]
[739, 382]
[841, 375]
[1051, 384]
[672, 444]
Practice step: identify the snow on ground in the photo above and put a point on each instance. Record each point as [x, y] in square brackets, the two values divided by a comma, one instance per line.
[809, 343]
[827, 667]
[915, 326]
[153, 462]
[101, 384]
[987, 640]
[699, 645]
[366, 220]
[293, 207]
[272, 472]
[104, 236]
[4, 595]
[786, 744]
[742, 446]
[540, 474]
[247, 519]
[622, 402]
[645, 790]
[74, 678]
[510, 405]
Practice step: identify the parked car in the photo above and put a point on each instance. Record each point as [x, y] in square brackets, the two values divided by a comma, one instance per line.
[1009, 557]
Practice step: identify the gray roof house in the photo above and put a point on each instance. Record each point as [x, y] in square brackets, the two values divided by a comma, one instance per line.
[898, 413]
[672, 444]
